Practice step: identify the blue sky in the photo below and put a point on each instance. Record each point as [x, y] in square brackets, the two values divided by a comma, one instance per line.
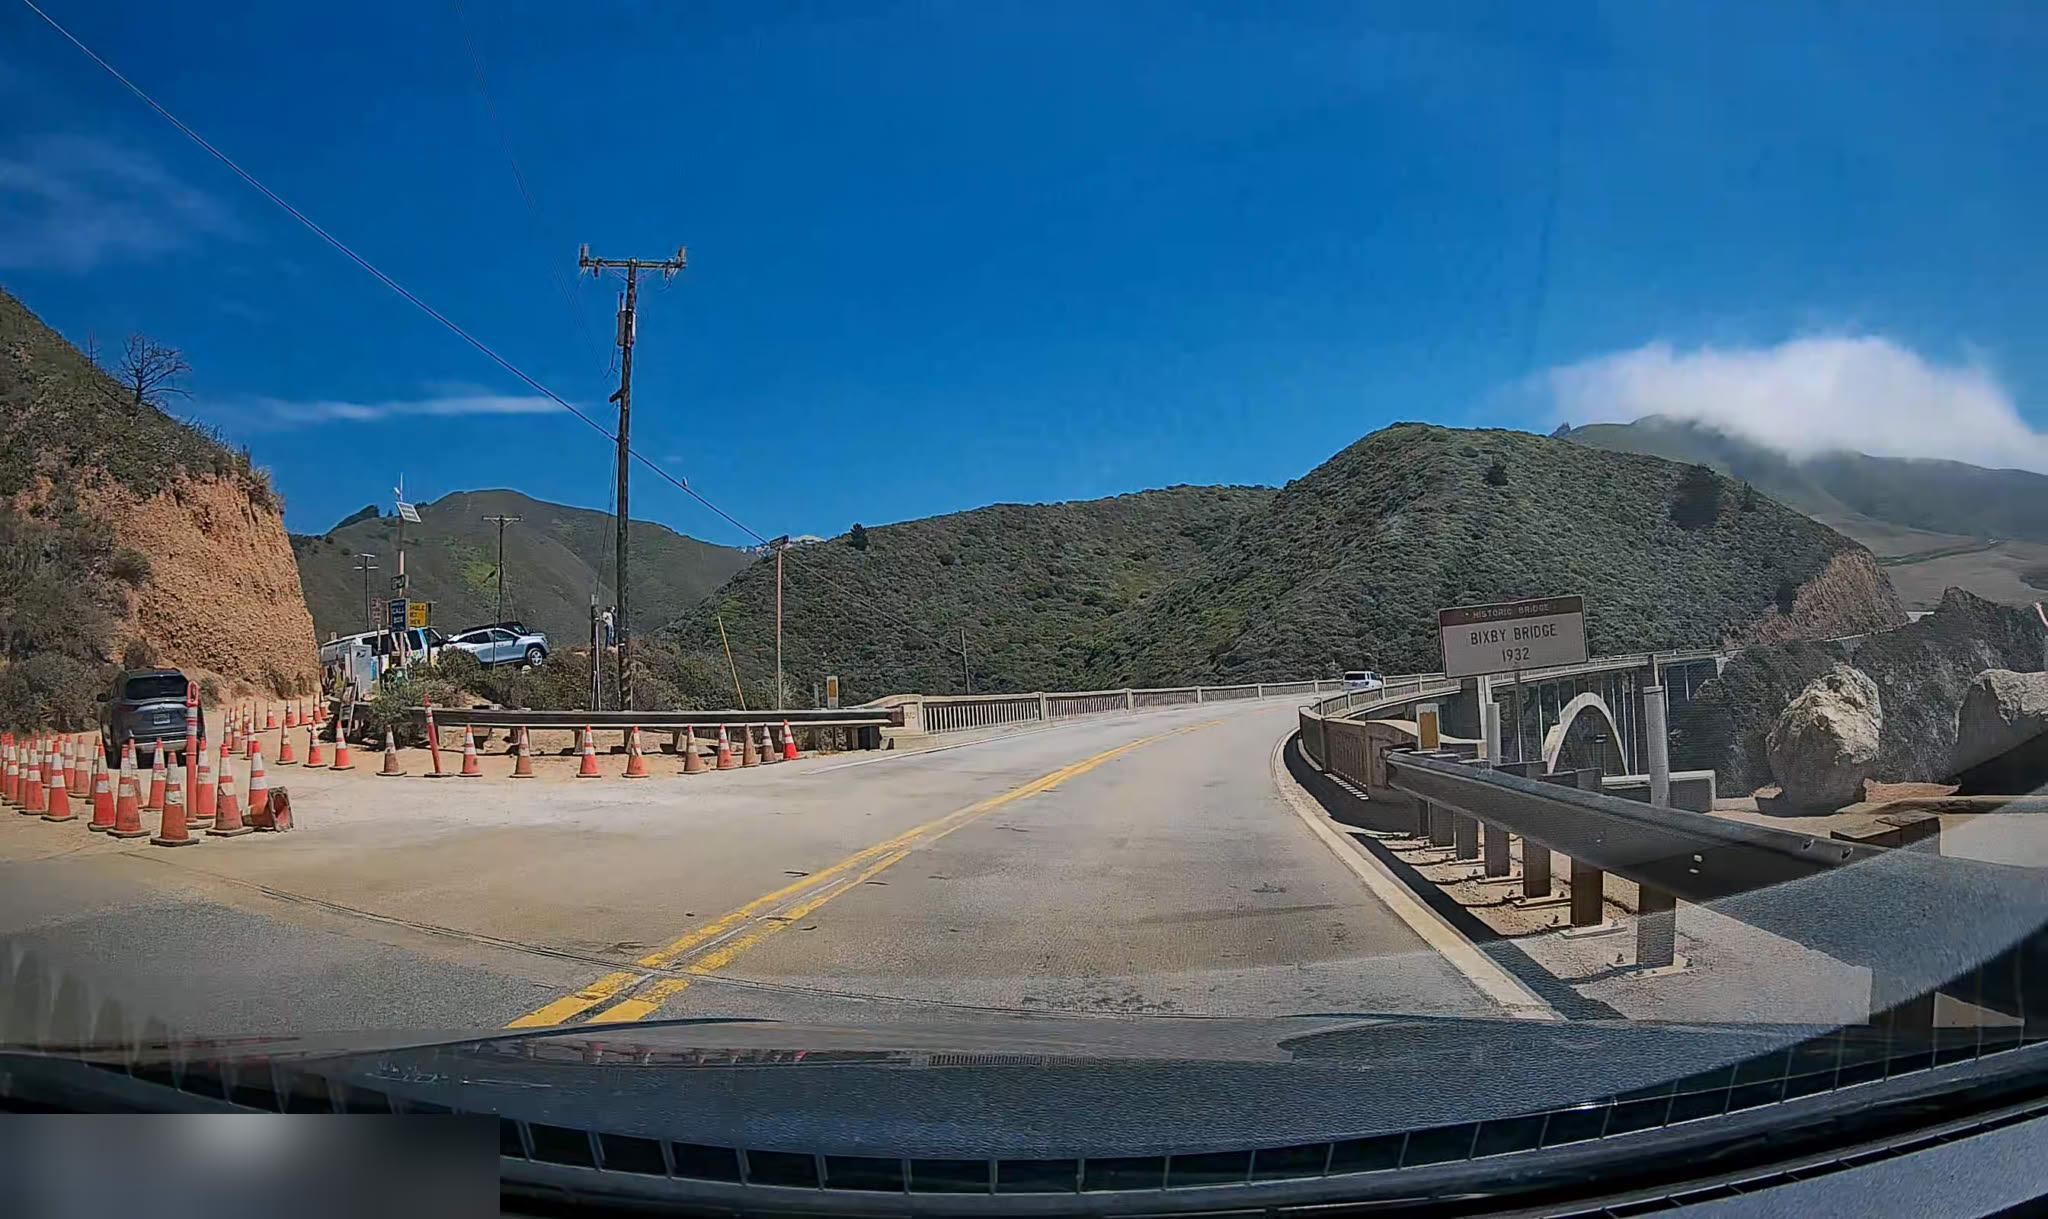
[943, 255]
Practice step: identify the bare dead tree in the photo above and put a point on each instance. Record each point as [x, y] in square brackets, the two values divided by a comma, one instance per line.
[151, 370]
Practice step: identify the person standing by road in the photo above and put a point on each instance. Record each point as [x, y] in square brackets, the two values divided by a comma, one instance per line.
[610, 620]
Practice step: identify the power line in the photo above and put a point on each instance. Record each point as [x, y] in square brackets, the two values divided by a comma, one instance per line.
[448, 323]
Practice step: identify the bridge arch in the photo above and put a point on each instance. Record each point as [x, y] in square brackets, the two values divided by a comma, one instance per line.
[1587, 703]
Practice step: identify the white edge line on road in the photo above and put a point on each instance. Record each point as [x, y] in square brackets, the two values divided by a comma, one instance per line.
[1479, 969]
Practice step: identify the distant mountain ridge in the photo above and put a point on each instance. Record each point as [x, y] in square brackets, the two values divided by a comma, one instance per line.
[556, 557]
[1936, 523]
[1343, 568]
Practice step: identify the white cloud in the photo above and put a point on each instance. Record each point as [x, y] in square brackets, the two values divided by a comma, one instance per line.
[71, 203]
[286, 412]
[1810, 396]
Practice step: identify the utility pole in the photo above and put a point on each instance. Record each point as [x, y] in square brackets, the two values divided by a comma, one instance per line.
[501, 522]
[364, 565]
[631, 267]
[780, 545]
[966, 674]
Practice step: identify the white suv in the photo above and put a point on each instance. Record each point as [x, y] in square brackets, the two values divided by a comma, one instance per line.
[497, 645]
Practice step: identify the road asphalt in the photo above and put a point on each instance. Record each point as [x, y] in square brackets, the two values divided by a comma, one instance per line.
[1132, 864]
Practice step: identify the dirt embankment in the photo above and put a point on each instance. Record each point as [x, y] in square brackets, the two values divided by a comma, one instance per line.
[223, 596]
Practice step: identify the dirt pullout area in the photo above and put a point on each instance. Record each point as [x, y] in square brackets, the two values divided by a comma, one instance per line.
[222, 597]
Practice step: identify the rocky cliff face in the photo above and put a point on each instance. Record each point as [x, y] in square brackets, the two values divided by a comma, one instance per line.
[222, 598]
[1849, 596]
[129, 537]
[1921, 671]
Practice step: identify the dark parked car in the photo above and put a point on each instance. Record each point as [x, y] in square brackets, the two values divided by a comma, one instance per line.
[146, 706]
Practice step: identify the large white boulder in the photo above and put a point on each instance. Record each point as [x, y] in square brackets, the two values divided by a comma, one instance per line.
[2000, 709]
[1824, 744]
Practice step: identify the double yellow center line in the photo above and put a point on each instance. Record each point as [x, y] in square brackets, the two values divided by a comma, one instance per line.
[720, 942]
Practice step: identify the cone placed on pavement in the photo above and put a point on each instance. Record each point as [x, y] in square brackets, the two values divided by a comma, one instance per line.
[636, 762]
[227, 814]
[259, 791]
[291, 717]
[470, 769]
[128, 805]
[693, 762]
[76, 773]
[269, 718]
[248, 734]
[172, 830]
[725, 761]
[155, 803]
[588, 768]
[788, 743]
[9, 776]
[748, 755]
[315, 755]
[522, 762]
[102, 800]
[341, 759]
[768, 755]
[99, 763]
[391, 766]
[286, 755]
[33, 794]
[202, 788]
[58, 803]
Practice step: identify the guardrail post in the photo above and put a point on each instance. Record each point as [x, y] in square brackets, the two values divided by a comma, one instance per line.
[1198, 694]
[1589, 884]
[1495, 850]
[1258, 689]
[1422, 818]
[1656, 928]
[1044, 708]
[1439, 825]
[1465, 836]
[1130, 701]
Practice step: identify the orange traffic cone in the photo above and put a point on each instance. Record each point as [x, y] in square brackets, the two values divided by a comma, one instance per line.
[315, 755]
[9, 777]
[291, 717]
[788, 743]
[202, 788]
[286, 755]
[59, 802]
[102, 801]
[248, 734]
[748, 756]
[725, 761]
[269, 718]
[588, 768]
[155, 803]
[128, 807]
[259, 791]
[522, 763]
[227, 815]
[33, 793]
[768, 754]
[173, 831]
[636, 762]
[693, 762]
[470, 770]
[390, 756]
[341, 759]
[76, 773]
[87, 771]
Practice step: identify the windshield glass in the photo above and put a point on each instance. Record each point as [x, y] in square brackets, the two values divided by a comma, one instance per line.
[155, 686]
[946, 459]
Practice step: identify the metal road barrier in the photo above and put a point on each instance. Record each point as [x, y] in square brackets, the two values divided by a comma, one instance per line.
[967, 712]
[1922, 923]
[495, 717]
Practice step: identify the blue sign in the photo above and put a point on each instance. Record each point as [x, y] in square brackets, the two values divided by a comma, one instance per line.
[398, 605]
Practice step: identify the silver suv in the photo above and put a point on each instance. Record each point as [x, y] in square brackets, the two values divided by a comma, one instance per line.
[498, 645]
